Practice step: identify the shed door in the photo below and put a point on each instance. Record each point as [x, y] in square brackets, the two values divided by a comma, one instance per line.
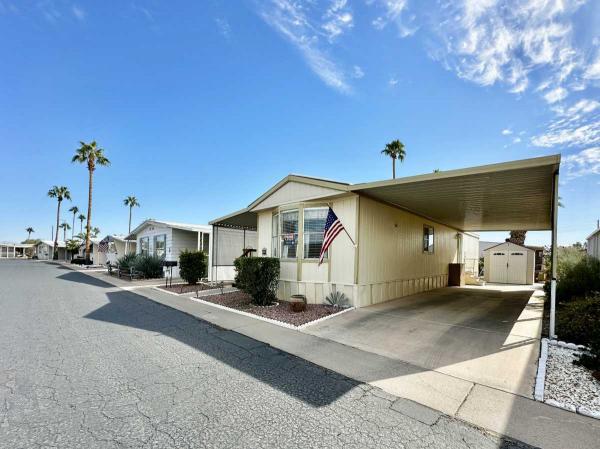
[499, 266]
[517, 266]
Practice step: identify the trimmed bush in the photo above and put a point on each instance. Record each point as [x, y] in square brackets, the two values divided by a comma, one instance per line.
[192, 266]
[576, 278]
[259, 277]
[579, 322]
[149, 266]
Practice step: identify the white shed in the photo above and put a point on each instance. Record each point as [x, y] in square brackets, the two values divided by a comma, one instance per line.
[509, 263]
[593, 243]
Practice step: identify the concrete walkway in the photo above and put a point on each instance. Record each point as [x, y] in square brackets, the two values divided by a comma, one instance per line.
[495, 410]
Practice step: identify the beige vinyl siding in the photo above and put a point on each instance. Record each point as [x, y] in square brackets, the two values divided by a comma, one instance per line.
[294, 192]
[181, 240]
[264, 232]
[391, 259]
[471, 253]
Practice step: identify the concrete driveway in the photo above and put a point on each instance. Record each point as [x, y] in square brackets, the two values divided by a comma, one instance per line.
[487, 335]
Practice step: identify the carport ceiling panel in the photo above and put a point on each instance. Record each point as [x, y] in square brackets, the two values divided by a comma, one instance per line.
[515, 199]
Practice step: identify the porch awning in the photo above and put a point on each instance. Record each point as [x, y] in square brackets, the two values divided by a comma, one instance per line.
[497, 197]
[242, 219]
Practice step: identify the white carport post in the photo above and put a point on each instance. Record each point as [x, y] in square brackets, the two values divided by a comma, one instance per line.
[554, 257]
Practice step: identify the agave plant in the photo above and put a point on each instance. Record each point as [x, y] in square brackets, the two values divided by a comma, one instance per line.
[337, 299]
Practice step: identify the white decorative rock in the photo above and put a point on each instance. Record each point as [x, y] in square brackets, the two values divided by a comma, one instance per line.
[587, 412]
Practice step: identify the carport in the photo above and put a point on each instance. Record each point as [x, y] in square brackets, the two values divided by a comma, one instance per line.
[517, 195]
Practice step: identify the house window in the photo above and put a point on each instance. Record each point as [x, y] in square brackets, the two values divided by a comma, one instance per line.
[289, 234]
[160, 244]
[275, 236]
[428, 239]
[145, 246]
[314, 225]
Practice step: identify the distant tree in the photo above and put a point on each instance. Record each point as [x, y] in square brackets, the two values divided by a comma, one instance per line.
[92, 155]
[73, 246]
[74, 211]
[131, 202]
[29, 231]
[395, 150]
[60, 193]
[437, 170]
[65, 226]
[517, 237]
[95, 232]
[81, 217]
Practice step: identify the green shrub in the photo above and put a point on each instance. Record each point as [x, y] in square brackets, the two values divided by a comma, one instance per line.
[259, 277]
[149, 266]
[579, 322]
[192, 266]
[576, 278]
[127, 261]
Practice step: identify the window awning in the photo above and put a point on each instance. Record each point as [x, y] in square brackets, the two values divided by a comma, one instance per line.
[497, 197]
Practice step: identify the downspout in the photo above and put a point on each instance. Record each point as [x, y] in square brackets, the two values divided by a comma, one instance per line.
[554, 257]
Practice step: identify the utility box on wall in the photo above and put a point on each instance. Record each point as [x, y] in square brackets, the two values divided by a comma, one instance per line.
[456, 275]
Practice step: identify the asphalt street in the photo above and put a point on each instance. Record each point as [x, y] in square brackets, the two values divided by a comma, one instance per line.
[84, 364]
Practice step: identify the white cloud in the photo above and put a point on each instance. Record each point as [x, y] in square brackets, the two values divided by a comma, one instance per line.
[586, 162]
[568, 135]
[516, 140]
[78, 12]
[592, 71]
[394, 11]
[557, 94]
[338, 19]
[507, 132]
[224, 27]
[393, 81]
[305, 29]
[357, 72]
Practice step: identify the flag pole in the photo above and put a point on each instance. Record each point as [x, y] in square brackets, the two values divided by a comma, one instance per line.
[349, 237]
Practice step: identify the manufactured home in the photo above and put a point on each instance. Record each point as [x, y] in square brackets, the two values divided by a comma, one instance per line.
[44, 250]
[402, 235]
[166, 239]
[112, 247]
[593, 243]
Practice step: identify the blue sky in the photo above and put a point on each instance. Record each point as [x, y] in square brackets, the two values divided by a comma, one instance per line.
[202, 106]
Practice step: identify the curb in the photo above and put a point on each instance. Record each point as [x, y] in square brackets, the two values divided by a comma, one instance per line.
[540, 378]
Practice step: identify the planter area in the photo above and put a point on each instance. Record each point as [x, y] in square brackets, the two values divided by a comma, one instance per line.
[569, 386]
[279, 312]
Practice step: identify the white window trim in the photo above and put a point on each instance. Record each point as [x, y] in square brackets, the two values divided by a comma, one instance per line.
[304, 257]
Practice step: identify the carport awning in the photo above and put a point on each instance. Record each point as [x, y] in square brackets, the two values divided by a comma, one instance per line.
[498, 197]
[242, 219]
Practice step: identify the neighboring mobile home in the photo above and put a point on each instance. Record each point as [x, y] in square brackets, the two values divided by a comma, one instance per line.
[44, 250]
[593, 243]
[167, 239]
[113, 247]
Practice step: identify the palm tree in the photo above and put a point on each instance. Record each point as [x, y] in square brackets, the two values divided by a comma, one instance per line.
[81, 217]
[74, 211]
[395, 150]
[132, 202]
[65, 227]
[29, 230]
[518, 237]
[60, 193]
[92, 155]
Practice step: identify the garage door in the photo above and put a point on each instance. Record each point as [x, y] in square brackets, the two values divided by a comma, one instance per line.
[508, 266]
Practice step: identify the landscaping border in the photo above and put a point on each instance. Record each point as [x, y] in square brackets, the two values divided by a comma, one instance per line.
[270, 320]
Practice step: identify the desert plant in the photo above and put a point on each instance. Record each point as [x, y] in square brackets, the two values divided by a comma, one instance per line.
[576, 277]
[337, 299]
[192, 266]
[259, 277]
[577, 322]
[60, 193]
[150, 267]
[73, 246]
[127, 261]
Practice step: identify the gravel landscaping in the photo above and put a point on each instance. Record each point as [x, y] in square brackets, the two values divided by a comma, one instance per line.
[570, 386]
[280, 312]
[186, 288]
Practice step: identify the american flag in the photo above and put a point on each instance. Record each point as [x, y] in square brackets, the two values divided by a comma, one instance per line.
[103, 246]
[333, 226]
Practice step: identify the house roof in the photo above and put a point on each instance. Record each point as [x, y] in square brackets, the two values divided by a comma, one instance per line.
[593, 234]
[169, 224]
[496, 197]
[241, 219]
[17, 245]
[61, 244]
[119, 237]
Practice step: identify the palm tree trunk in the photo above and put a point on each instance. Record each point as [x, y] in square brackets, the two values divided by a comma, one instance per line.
[55, 255]
[73, 228]
[130, 207]
[81, 226]
[89, 217]
[393, 168]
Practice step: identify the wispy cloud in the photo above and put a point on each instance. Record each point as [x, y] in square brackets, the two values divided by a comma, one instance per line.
[507, 132]
[395, 11]
[312, 32]
[586, 162]
[557, 94]
[393, 81]
[224, 27]
[357, 72]
[78, 12]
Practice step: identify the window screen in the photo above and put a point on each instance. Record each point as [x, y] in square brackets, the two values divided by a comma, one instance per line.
[145, 246]
[289, 234]
[428, 239]
[314, 224]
